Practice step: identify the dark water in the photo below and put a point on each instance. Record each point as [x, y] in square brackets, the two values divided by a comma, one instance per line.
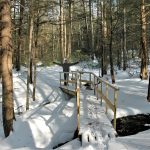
[133, 124]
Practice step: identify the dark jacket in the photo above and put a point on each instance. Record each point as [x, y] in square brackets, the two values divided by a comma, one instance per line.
[66, 66]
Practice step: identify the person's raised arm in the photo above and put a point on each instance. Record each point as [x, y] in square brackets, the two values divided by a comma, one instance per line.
[71, 64]
[57, 63]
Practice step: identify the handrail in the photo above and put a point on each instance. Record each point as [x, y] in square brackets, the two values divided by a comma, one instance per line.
[106, 82]
[98, 84]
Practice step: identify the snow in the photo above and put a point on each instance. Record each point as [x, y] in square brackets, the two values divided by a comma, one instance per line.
[52, 118]
[95, 126]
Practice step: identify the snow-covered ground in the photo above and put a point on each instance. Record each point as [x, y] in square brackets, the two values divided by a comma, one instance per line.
[52, 118]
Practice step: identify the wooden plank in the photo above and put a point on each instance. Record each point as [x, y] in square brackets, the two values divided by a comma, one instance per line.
[69, 81]
[70, 92]
[83, 81]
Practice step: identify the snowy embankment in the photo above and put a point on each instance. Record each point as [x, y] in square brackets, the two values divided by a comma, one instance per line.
[51, 119]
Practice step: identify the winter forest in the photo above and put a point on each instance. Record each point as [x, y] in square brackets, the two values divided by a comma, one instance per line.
[101, 101]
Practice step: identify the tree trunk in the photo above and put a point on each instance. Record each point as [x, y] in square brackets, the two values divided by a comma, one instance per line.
[53, 44]
[86, 26]
[91, 27]
[98, 36]
[80, 36]
[31, 69]
[0, 61]
[98, 30]
[119, 40]
[6, 68]
[119, 56]
[30, 52]
[104, 38]
[53, 37]
[35, 54]
[144, 53]
[65, 38]
[61, 30]
[20, 38]
[14, 35]
[34, 73]
[110, 47]
[69, 30]
[124, 40]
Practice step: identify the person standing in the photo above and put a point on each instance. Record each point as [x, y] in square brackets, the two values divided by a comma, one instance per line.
[66, 68]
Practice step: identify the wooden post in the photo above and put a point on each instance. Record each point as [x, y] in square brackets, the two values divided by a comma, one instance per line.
[80, 79]
[115, 104]
[76, 80]
[148, 93]
[90, 79]
[101, 92]
[72, 78]
[60, 78]
[97, 88]
[78, 101]
[106, 97]
[67, 79]
[94, 85]
[75, 77]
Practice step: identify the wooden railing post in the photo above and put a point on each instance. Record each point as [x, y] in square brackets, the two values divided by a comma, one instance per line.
[115, 105]
[94, 85]
[72, 78]
[90, 79]
[80, 79]
[101, 92]
[60, 78]
[106, 97]
[97, 88]
[78, 100]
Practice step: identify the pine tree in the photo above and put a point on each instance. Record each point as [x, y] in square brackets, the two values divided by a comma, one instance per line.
[6, 66]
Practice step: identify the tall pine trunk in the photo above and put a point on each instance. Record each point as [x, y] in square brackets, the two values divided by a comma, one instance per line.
[61, 30]
[30, 52]
[110, 47]
[91, 28]
[144, 53]
[124, 39]
[104, 38]
[87, 45]
[6, 66]
[69, 30]
[20, 38]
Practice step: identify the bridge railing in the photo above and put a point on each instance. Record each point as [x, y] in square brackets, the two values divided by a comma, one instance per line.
[102, 89]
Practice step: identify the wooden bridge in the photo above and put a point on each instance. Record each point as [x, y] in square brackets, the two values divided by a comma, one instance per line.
[92, 120]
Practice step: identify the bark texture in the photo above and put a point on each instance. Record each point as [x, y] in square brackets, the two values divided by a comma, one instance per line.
[6, 67]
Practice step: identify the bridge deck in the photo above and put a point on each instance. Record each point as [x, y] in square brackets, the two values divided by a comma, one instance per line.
[95, 127]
